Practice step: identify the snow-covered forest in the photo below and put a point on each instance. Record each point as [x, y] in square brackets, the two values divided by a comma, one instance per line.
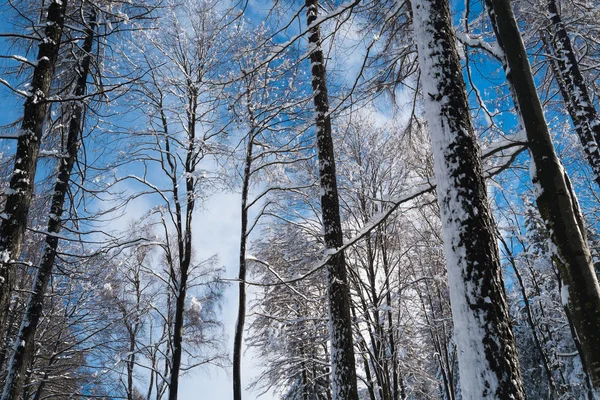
[299, 200]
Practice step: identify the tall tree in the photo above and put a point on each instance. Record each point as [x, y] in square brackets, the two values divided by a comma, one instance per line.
[74, 121]
[555, 198]
[343, 368]
[182, 60]
[20, 192]
[261, 108]
[488, 362]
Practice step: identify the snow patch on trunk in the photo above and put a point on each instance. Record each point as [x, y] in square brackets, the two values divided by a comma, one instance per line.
[477, 379]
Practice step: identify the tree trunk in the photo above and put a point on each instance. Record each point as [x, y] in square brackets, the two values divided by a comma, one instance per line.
[489, 367]
[20, 192]
[241, 317]
[130, 364]
[25, 347]
[555, 198]
[179, 318]
[184, 237]
[343, 369]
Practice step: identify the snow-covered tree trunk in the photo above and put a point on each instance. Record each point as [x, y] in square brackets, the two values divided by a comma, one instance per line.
[488, 362]
[574, 90]
[343, 369]
[24, 343]
[20, 192]
[555, 198]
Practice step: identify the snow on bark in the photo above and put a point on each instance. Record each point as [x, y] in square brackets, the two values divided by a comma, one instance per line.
[487, 356]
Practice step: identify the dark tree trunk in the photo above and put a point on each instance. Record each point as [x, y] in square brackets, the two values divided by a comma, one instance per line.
[343, 369]
[178, 337]
[25, 347]
[185, 247]
[130, 364]
[555, 200]
[489, 367]
[241, 317]
[184, 237]
[18, 199]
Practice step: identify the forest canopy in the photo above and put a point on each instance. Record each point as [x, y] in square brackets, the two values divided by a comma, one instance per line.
[317, 200]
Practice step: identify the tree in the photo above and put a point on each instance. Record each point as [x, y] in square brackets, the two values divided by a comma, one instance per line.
[182, 105]
[487, 356]
[261, 108]
[555, 198]
[550, 362]
[25, 346]
[343, 369]
[19, 195]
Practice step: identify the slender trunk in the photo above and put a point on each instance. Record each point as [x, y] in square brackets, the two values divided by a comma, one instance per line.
[152, 365]
[40, 389]
[161, 384]
[368, 378]
[343, 368]
[489, 367]
[530, 321]
[439, 344]
[24, 347]
[364, 353]
[545, 327]
[577, 343]
[241, 317]
[555, 198]
[178, 326]
[8, 332]
[26, 388]
[305, 392]
[184, 233]
[397, 381]
[20, 192]
[130, 364]
[374, 327]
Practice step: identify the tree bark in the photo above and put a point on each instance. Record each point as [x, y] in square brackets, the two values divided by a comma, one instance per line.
[343, 368]
[488, 363]
[24, 347]
[555, 198]
[20, 192]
